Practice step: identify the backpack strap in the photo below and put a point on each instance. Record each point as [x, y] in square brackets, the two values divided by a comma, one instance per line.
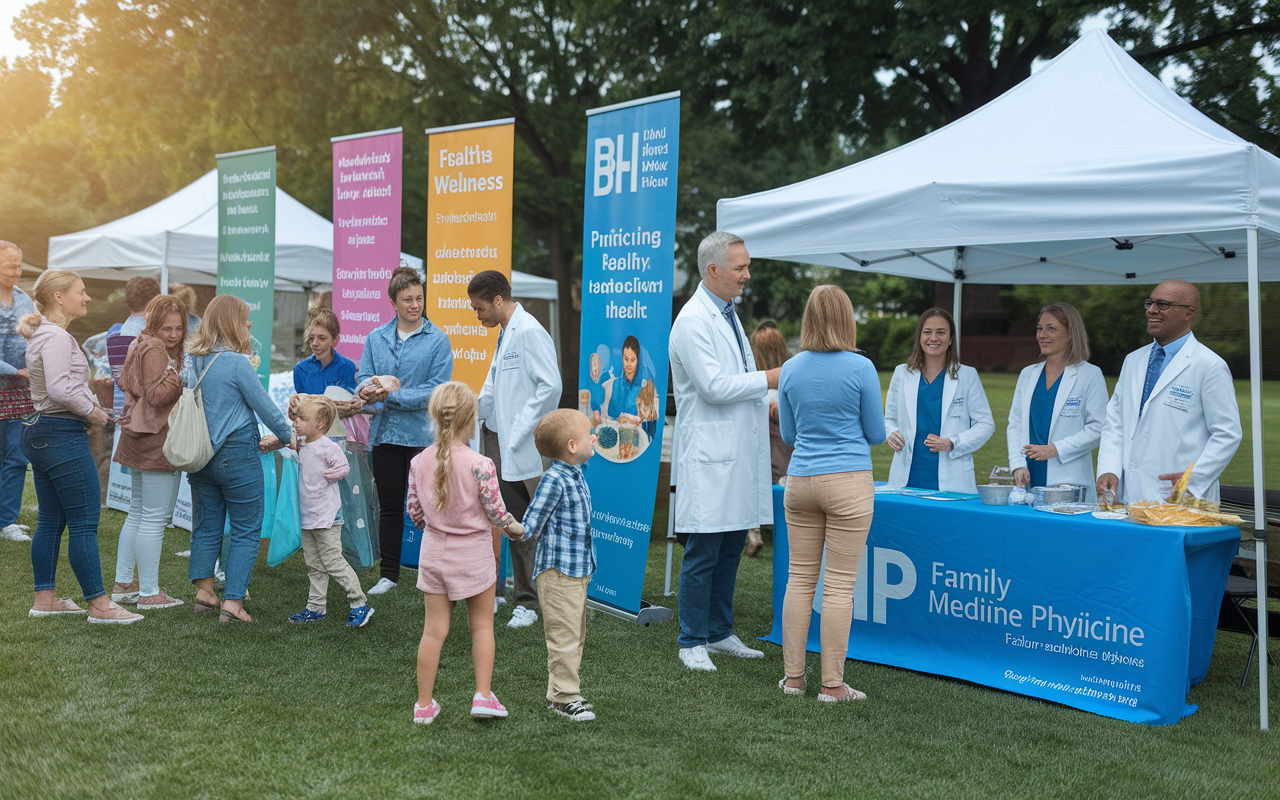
[206, 370]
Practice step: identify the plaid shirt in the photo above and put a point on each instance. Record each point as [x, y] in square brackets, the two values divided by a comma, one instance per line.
[561, 512]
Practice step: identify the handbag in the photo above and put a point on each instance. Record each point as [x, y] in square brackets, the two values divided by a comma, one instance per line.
[188, 446]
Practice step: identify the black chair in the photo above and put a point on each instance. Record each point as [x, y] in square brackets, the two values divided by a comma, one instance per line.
[1239, 589]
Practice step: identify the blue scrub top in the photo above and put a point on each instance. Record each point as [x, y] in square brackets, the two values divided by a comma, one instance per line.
[625, 393]
[309, 377]
[924, 462]
[1041, 420]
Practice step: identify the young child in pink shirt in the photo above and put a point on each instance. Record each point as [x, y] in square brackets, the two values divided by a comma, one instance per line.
[454, 497]
[321, 466]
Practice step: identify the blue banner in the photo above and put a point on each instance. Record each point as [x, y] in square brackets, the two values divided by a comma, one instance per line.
[1108, 616]
[628, 260]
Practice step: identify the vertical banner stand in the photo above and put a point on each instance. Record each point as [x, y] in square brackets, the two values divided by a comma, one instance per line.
[247, 240]
[628, 263]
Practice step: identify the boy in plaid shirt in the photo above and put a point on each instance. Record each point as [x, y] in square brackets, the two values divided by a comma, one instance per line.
[560, 512]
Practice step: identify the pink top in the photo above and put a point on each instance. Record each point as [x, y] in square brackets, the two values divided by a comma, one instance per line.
[59, 372]
[475, 501]
[321, 464]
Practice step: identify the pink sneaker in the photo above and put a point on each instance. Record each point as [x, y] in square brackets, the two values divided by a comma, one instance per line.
[480, 707]
[426, 716]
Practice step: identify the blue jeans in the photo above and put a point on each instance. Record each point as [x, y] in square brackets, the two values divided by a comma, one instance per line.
[707, 577]
[68, 492]
[13, 471]
[229, 486]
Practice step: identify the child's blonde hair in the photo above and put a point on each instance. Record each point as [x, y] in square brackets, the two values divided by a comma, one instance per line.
[551, 434]
[326, 411]
[453, 408]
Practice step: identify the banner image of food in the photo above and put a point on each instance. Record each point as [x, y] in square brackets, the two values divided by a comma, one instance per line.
[247, 241]
[628, 260]
[366, 232]
[468, 231]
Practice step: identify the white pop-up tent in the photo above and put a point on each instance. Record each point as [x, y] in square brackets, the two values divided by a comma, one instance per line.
[1089, 172]
[177, 239]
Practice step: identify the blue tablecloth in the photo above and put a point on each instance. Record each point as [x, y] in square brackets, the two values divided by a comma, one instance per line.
[1108, 616]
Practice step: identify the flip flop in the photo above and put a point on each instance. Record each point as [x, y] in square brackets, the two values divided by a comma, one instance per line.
[225, 616]
[201, 606]
[62, 609]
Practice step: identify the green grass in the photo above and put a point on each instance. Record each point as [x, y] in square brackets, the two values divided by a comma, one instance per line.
[999, 388]
[178, 706]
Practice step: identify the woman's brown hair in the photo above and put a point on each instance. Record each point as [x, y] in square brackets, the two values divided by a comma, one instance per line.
[1077, 339]
[916, 361]
[159, 309]
[828, 325]
[769, 348]
[325, 318]
[223, 323]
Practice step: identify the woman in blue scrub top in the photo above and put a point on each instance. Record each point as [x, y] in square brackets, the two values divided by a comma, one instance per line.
[937, 412]
[1059, 406]
[325, 366]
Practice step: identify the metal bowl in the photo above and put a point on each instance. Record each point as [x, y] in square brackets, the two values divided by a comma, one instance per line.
[994, 494]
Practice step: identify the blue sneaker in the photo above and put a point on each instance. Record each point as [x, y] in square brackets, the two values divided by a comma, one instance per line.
[359, 617]
[306, 615]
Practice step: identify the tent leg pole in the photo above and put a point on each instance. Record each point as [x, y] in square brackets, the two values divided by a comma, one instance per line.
[956, 309]
[1259, 488]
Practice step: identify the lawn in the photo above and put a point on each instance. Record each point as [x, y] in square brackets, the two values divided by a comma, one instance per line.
[179, 706]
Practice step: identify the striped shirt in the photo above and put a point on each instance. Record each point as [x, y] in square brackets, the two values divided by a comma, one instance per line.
[561, 513]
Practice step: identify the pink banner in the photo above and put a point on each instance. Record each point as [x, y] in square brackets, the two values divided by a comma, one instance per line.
[366, 232]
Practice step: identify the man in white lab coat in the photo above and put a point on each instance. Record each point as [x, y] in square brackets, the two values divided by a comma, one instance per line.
[523, 384]
[1173, 405]
[720, 459]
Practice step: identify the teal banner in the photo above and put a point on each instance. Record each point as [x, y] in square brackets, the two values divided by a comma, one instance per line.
[247, 241]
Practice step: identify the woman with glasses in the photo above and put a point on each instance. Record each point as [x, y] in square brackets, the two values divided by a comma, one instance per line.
[1059, 406]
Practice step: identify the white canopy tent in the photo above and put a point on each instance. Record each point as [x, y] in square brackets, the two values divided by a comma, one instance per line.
[177, 240]
[1089, 172]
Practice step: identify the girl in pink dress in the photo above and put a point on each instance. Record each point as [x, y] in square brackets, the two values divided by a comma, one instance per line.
[453, 497]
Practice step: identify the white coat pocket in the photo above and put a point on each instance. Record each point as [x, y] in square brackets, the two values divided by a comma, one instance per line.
[712, 442]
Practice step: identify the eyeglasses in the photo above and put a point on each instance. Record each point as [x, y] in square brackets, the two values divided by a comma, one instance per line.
[1163, 305]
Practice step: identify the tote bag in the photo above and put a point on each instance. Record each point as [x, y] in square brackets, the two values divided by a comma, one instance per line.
[188, 446]
[286, 530]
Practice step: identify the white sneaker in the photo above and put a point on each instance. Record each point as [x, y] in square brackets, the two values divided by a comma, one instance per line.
[382, 586]
[522, 617]
[183, 554]
[219, 575]
[733, 646]
[697, 658]
[15, 533]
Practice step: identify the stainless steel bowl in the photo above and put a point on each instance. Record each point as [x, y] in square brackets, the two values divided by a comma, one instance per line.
[994, 494]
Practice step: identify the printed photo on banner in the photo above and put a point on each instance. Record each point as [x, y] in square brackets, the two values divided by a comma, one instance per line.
[623, 407]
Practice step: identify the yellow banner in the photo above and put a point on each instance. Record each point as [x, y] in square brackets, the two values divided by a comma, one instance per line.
[468, 231]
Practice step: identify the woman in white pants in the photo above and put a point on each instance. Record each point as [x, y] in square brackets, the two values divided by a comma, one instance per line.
[1055, 422]
[152, 383]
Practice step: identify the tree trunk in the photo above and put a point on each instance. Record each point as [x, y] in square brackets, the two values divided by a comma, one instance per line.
[570, 320]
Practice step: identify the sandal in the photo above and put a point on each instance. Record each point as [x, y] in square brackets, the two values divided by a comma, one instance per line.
[791, 690]
[853, 694]
[225, 616]
[63, 605]
[201, 606]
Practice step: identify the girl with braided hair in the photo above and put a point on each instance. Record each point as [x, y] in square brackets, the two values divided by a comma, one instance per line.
[453, 496]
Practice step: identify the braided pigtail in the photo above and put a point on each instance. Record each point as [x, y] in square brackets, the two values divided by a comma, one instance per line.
[453, 408]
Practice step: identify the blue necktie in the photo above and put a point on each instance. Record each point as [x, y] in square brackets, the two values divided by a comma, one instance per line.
[1155, 365]
[728, 317]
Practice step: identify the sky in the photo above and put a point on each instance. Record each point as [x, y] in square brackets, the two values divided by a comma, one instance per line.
[9, 46]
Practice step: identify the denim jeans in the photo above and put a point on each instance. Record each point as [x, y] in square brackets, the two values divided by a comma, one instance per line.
[155, 492]
[229, 486]
[707, 577]
[13, 471]
[67, 490]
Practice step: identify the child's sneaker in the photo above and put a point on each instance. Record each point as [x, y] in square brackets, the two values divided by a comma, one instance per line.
[359, 617]
[306, 615]
[481, 707]
[575, 710]
[426, 716]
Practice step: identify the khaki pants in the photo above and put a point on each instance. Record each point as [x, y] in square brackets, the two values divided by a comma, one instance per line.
[835, 511]
[564, 621]
[322, 550]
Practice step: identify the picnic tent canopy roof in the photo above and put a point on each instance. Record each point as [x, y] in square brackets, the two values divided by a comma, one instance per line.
[1040, 186]
[182, 232]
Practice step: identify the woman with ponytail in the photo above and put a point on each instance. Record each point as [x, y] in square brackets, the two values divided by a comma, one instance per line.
[453, 496]
[56, 442]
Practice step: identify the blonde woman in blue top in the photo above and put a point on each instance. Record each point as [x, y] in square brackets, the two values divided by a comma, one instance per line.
[1059, 406]
[829, 410]
[936, 411]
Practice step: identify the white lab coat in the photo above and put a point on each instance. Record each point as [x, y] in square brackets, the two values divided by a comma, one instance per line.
[523, 383]
[1079, 410]
[1191, 415]
[966, 421]
[720, 454]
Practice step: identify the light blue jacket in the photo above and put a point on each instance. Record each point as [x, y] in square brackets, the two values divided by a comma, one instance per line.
[13, 348]
[422, 362]
[231, 393]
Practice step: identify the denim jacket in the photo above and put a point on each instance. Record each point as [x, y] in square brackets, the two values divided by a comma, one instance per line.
[13, 348]
[231, 393]
[422, 362]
